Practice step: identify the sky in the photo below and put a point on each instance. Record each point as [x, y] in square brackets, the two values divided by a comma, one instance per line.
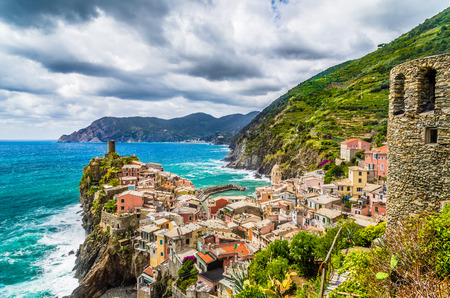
[64, 64]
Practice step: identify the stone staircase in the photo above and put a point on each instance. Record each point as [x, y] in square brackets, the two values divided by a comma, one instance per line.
[336, 279]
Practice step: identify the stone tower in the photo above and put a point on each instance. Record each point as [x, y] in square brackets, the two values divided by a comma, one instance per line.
[418, 137]
[111, 146]
[275, 175]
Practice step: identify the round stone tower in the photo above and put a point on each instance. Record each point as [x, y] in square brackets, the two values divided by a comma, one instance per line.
[275, 175]
[418, 137]
[111, 146]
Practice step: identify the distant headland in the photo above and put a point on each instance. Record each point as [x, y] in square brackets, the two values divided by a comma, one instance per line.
[198, 127]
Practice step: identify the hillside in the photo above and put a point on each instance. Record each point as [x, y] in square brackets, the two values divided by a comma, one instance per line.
[304, 126]
[197, 126]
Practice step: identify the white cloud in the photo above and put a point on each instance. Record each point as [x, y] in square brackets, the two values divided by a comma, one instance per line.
[169, 59]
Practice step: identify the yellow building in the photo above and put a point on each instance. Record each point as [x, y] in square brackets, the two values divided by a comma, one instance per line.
[354, 184]
[158, 250]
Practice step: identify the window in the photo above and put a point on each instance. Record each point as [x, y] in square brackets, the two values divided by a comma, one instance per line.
[431, 135]
[427, 84]
[381, 197]
[348, 188]
[162, 254]
[187, 240]
[398, 92]
[374, 196]
[122, 200]
[323, 219]
[360, 173]
[367, 156]
[190, 217]
[320, 206]
[382, 167]
[359, 180]
[376, 209]
[160, 242]
[359, 189]
[122, 208]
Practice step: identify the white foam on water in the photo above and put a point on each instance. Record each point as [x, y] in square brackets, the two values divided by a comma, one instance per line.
[57, 275]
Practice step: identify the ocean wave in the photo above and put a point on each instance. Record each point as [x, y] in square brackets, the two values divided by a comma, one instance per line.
[56, 276]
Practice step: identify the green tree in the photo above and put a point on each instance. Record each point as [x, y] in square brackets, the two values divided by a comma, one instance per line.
[278, 268]
[303, 252]
[111, 206]
[114, 182]
[187, 275]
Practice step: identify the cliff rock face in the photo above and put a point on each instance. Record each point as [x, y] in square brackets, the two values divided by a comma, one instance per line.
[102, 263]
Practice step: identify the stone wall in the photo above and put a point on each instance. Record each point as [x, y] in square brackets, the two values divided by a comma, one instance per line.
[418, 162]
[118, 224]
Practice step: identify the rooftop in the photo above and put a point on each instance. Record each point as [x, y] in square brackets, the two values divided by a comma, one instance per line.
[372, 187]
[324, 199]
[328, 213]
[131, 192]
[149, 228]
[213, 275]
[241, 204]
[189, 228]
[356, 168]
[214, 224]
[230, 248]
[204, 257]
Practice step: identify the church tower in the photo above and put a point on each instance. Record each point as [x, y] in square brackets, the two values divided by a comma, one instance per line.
[275, 175]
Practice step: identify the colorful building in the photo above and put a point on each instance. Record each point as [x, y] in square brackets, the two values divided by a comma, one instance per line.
[376, 161]
[130, 202]
[351, 146]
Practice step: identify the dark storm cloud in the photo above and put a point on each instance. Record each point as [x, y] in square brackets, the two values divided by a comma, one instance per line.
[222, 68]
[300, 51]
[139, 90]
[44, 14]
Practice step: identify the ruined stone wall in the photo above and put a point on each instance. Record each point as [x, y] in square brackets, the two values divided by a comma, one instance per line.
[418, 162]
[118, 224]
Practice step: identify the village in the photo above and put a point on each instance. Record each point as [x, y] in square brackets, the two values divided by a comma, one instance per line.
[167, 220]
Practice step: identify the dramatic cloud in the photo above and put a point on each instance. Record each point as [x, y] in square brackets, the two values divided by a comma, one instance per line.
[64, 64]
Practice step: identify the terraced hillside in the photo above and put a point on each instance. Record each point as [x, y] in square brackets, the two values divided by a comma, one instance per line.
[303, 127]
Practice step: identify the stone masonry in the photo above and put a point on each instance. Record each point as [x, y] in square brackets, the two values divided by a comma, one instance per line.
[419, 137]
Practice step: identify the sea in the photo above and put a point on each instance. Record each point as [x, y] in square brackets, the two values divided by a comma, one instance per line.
[40, 218]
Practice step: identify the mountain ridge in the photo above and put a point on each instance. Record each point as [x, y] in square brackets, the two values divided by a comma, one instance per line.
[196, 126]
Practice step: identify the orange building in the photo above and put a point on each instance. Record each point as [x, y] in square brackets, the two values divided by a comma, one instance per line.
[130, 201]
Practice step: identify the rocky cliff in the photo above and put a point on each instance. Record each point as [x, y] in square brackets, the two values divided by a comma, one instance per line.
[197, 126]
[305, 125]
[102, 262]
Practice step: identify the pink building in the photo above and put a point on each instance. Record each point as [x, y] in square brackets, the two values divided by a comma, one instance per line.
[130, 201]
[311, 184]
[131, 170]
[377, 195]
[351, 146]
[376, 160]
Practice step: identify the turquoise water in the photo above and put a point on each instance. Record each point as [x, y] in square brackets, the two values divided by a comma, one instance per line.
[40, 217]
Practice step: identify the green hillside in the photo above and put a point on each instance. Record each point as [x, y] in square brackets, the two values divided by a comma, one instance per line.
[302, 127]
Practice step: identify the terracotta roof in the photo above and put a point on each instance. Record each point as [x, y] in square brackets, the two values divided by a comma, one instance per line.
[205, 257]
[149, 271]
[350, 140]
[228, 248]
